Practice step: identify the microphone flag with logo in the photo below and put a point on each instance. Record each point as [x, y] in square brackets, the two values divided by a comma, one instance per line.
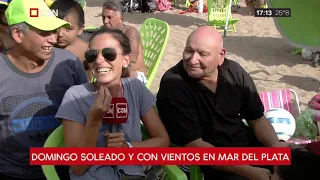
[118, 112]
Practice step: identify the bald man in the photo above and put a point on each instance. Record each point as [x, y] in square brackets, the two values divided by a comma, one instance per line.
[203, 99]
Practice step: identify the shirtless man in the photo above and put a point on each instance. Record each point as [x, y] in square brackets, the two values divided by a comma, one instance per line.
[68, 37]
[112, 17]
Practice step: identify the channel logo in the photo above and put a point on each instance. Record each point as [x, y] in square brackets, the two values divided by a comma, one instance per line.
[34, 12]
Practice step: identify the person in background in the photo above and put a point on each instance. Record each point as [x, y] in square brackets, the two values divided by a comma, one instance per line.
[68, 37]
[84, 106]
[5, 40]
[251, 4]
[203, 100]
[34, 78]
[304, 165]
[112, 17]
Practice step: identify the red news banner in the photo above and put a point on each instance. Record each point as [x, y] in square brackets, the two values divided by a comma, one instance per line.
[160, 156]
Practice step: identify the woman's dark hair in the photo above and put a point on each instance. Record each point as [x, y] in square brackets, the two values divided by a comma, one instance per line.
[64, 7]
[304, 165]
[3, 7]
[2, 14]
[120, 37]
[116, 34]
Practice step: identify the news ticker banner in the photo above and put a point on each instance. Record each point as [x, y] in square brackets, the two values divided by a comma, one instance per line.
[160, 156]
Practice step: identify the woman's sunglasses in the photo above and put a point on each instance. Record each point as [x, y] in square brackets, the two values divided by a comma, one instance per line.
[108, 53]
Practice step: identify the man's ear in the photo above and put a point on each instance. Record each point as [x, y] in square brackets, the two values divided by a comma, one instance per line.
[17, 34]
[222, 56]
[121, 16]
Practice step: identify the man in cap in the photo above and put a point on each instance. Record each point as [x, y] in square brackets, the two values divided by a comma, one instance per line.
[5, 40]
[34, 78]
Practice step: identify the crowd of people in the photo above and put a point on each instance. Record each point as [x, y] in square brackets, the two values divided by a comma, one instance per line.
[51, 77]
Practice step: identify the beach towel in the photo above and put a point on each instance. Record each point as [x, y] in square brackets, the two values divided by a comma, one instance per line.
[163, 5]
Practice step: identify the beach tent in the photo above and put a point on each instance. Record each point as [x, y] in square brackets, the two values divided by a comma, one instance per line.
[302, 29]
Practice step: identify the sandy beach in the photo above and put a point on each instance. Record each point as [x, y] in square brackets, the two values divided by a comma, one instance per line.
[257, 46]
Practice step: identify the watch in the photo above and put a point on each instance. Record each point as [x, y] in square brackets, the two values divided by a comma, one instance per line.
[129, 144]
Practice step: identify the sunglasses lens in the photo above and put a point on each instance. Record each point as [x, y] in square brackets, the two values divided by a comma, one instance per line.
[91, 55]
[109, 53]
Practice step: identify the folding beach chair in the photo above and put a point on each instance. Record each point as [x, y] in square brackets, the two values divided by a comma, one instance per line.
[220, 15]
[279, 99]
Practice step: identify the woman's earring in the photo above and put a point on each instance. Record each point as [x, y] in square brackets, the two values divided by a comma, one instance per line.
[93, 74]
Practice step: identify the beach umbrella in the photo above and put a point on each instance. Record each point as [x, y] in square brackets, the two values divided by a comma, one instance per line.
[300, 27]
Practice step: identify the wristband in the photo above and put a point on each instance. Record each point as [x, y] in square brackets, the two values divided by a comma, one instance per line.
[129, 145]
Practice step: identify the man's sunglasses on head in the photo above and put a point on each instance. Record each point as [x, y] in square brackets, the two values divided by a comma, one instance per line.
[108, 53]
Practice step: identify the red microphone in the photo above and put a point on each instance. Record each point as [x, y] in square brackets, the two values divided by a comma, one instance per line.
[118, 112]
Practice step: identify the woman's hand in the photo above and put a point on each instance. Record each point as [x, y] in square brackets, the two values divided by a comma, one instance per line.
[115, 140]
[101, 105]
[260, 174]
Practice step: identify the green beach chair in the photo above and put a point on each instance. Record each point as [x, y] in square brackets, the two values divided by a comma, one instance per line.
[154, 37]
[56, 139]
[195, 171]
[83, 3]
[186, 4]
[218, 11]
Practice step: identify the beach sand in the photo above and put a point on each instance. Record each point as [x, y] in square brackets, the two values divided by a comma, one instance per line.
[257, 46]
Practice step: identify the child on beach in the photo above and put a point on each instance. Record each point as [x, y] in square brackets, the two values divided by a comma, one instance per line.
[68, 38]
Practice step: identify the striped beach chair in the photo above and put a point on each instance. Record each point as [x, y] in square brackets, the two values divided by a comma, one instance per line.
[279, 99]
